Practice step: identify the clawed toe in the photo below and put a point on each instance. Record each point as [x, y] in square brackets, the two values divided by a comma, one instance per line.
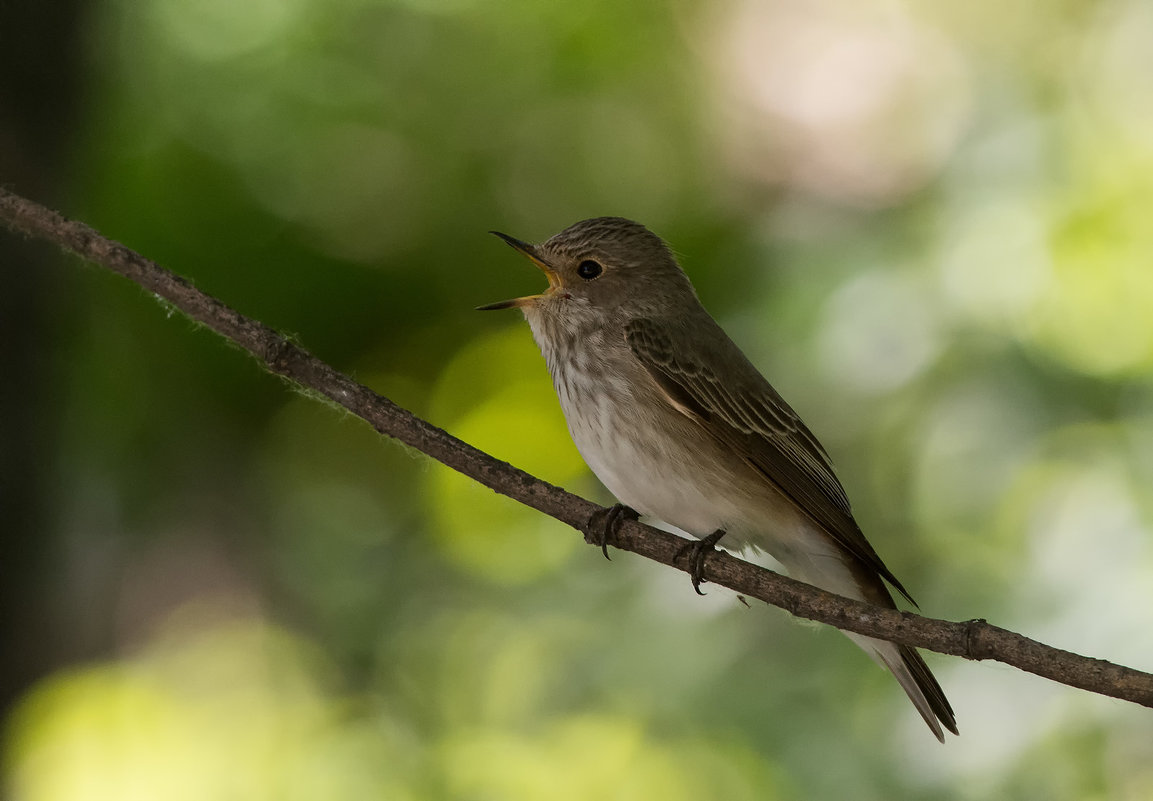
[697, 552]
[604, 523]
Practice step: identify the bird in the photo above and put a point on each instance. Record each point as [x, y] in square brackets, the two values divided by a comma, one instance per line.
[680, 426]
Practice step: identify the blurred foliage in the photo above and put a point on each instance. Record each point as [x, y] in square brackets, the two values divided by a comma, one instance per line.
[926, 222]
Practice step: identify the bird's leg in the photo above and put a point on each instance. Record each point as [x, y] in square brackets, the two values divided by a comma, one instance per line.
[604, 523]
[697, 551]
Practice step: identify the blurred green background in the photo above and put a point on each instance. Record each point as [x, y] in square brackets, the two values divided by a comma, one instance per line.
[928, 223]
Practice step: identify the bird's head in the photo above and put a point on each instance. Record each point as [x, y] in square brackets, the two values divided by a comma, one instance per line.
[606, 264]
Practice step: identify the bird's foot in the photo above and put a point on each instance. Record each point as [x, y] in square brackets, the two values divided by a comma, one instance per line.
[604, 523]
[697, 552]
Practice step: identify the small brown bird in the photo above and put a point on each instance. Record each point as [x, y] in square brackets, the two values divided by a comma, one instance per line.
[680, 426]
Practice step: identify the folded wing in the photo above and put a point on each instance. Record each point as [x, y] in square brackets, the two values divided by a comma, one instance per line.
[745, 413]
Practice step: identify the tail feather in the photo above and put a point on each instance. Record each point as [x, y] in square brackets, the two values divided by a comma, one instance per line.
[904, 662]
[921, 686]
[915, 679]
[930, 689]
[835, 571]
[856, 580]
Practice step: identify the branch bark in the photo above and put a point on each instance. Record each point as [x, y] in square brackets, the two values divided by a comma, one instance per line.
[973, 639]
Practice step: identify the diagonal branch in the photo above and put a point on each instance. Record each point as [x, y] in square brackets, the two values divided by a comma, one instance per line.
[974, 639]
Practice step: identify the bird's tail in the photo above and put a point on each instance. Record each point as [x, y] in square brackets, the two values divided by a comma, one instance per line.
[915, 679]
[851, 578]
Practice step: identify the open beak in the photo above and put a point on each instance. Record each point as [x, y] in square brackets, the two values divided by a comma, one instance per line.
[530, 252]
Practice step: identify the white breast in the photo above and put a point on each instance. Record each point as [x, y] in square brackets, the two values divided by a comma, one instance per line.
[650, 458]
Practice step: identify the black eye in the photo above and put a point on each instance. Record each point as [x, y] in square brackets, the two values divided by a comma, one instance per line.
[589, 269]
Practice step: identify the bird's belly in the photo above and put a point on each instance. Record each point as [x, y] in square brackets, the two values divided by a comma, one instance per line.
[659, 475]
[659, 492]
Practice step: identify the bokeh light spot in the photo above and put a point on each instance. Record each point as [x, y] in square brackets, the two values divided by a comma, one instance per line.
[505, 405]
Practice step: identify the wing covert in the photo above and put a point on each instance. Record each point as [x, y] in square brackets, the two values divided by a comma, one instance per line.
[744, 412]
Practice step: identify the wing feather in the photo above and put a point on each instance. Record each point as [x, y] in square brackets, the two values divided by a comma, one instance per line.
[745, 413]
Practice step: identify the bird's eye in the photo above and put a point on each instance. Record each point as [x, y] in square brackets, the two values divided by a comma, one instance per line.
[589, 269]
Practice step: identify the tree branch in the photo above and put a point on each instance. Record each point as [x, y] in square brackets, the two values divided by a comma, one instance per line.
[974, 639]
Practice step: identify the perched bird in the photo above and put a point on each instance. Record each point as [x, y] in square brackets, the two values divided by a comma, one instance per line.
[679, 425]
